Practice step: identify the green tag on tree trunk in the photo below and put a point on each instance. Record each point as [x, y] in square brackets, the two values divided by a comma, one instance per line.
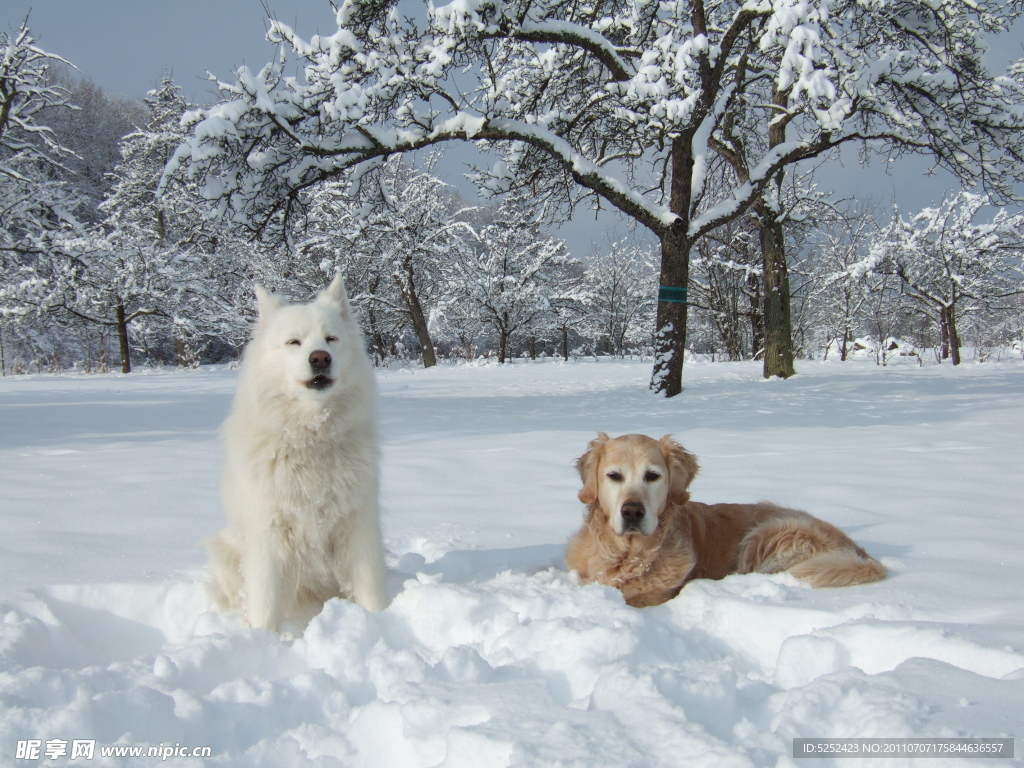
[672, 295]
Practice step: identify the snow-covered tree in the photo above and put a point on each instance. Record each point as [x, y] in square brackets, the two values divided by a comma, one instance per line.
[202, 268]
[619, 100]
[132, 209]
[403, 224]
[35, 205]
[950, 265]
[618, 301]
[101, 280]
[885, 313]
[32, 200]
[138, 265]
[509, 281]
[726, 287]
[840, 301]
[25, 91]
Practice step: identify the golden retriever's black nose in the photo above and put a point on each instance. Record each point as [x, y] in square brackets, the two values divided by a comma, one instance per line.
[320, 360]
[632, 514]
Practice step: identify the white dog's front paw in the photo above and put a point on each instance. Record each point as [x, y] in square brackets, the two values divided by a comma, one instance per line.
[373, 600]
[260, 617]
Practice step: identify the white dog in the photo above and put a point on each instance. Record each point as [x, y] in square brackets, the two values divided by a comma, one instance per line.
[299, 483]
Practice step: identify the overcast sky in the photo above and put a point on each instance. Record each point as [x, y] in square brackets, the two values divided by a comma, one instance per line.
[124, 46]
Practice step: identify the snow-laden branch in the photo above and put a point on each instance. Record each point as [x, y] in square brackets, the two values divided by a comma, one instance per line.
[583, 88]
[623, 101]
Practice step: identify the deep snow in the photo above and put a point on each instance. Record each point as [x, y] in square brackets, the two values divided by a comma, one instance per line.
[490, 654]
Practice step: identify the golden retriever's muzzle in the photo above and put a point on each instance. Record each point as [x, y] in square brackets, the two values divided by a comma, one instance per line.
[632, 513]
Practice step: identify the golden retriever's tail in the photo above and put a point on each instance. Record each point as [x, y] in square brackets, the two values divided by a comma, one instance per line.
[839, 568]
[811, 549]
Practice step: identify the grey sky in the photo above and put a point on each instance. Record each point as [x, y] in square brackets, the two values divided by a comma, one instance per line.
[124, 46]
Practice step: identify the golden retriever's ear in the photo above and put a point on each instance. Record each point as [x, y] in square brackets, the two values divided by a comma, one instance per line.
[682, 468]
[587, 466]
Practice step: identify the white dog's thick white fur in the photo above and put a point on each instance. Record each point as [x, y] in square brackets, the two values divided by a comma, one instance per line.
[300, 478]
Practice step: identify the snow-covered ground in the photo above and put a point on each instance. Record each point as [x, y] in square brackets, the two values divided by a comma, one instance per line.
[490, 654]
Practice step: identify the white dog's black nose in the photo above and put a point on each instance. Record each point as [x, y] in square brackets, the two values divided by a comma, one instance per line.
[320, 360]
[632, 515]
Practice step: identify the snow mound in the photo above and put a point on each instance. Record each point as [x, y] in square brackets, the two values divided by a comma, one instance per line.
[519, 667]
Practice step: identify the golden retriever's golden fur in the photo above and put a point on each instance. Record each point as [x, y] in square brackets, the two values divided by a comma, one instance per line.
[643, 535]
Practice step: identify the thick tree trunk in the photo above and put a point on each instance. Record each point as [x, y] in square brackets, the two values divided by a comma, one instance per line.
[778, 324]
[670, 331]
[533, 347]
[565, 343]
[670, 334]
[419, 321]
[122, 337]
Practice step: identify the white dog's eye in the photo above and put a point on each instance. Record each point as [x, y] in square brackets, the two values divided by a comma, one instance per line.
[650, 477]
[294, 343]
[331, 338]
[615, 477]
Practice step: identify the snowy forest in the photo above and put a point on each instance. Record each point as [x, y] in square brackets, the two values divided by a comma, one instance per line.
[132, 233]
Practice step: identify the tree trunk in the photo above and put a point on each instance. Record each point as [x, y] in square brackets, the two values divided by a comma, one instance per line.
[778, 326]
[778, 323]
[375, 332]
[419, 322]
[122, 337]
[944, 332]
[670, 334]
[565, 343]
[179, 351]
[502, 344]
[954, 335]
[533, 347]
[727, 322]
[378, 338]
[756, 316]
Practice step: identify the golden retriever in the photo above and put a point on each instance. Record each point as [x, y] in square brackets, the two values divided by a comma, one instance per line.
[643, 535]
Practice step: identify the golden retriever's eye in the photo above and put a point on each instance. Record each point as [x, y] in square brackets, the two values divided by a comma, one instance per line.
[294, 343]
[650, 477]
[615, 477]
[331, 338]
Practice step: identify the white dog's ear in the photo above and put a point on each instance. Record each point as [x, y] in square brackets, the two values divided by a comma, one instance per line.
[682, 468]
[335, 294]
[266, 303]
[587, 466]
